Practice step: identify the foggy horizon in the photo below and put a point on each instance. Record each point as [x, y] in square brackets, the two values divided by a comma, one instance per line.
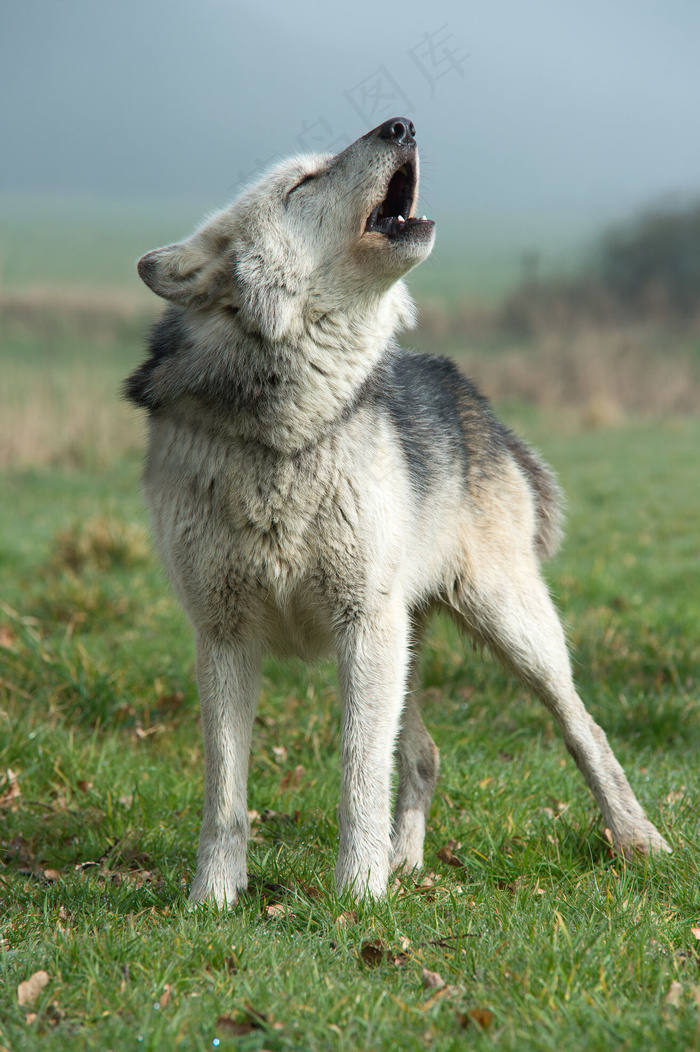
[549, 108]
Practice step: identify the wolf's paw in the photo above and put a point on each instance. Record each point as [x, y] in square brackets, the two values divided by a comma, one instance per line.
[218, 893]
[407, 844]
[362, 878]
[221, 874]
[644, 839]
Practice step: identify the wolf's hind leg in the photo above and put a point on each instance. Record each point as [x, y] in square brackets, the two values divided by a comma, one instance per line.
[515, 616]
[228, 676]
[418, 761]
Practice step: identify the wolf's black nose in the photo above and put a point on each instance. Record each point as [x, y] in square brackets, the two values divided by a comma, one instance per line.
[399, 130]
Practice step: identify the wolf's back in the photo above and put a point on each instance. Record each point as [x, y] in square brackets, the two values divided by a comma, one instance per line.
[444, 423]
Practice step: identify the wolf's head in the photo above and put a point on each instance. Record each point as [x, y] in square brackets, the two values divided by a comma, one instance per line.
[315, 237]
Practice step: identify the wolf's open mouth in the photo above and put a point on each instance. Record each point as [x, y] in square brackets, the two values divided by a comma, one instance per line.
[392, 216]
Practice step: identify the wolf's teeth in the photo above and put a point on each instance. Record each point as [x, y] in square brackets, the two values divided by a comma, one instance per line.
[424, 217]
[401, 219]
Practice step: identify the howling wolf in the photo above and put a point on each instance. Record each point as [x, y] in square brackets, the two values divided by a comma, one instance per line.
[315, 489]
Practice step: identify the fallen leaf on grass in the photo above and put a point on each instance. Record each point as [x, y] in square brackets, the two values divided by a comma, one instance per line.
[277, 909]
[269, 815]
[696, 932]
[7, 637]
[280, 753]
[440, 995]
[142, 732]
[135, 878]
[446, 854]
[11, 790]
[674, 995]
[481, 1017]
[83, 785]
[432, 980]
[246, 1022]
[237, 1027]
[345, 918]
[311, 891]
[292, 779]
[29, 990]
[58, 802]
[165, 996]
[375, 951]
[557, 811]
[428, 886]
[168, 703]
[51, 875]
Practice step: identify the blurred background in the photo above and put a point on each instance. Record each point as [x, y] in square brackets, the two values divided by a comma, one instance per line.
[560, 158]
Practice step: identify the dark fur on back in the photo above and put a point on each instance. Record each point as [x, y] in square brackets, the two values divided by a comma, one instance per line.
[440, 415]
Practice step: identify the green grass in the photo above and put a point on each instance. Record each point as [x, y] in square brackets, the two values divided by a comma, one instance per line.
[545, 938]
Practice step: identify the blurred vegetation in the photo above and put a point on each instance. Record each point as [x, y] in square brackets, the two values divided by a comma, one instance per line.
[600, 341]
[646, 270]
[652, 265]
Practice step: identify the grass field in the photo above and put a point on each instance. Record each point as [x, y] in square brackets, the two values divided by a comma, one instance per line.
[539, 937]
[542, 939]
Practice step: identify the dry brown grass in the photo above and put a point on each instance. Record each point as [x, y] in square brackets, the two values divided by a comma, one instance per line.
[57, 408]
[100, 543]
[70, 415]
[53, 311]
[605, 368]
[64, 352]
[605, 373]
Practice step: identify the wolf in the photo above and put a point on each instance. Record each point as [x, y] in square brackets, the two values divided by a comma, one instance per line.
[316, 490]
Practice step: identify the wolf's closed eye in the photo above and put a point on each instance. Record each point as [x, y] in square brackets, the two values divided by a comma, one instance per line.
[306, 179]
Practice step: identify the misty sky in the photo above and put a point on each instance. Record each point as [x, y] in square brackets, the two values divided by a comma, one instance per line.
[518, 105]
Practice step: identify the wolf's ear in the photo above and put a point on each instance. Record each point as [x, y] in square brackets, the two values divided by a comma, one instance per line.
[192, 272]
[171, 272]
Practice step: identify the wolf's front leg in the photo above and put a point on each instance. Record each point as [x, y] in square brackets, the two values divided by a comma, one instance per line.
[372, 669]
[228, 676]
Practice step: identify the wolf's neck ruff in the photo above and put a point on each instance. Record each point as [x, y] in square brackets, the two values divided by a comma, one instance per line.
[286, 394]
